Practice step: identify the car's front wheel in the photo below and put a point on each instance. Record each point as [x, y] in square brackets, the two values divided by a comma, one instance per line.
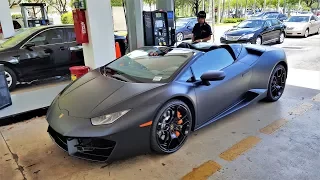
[258, 40]
[277, 83]
[281, 38]
[171, 127]
[180, 37]
[306, 33]
[11, 78]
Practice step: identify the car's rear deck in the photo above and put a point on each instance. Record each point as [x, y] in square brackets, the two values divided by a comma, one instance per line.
[276, 140]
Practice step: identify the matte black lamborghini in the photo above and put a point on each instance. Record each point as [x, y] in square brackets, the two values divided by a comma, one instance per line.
[152, 98]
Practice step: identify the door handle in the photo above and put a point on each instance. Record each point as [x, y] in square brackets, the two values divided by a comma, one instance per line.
[62, 48]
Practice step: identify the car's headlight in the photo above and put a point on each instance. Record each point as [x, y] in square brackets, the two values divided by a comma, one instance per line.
[108, 119]
[247, 36]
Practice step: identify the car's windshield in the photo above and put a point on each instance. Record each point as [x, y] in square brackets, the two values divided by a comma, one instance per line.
[181, 22]
[259, 14]
[140, 66]
[251, 24]
[298, 19]
[272, 15]
[19, 36]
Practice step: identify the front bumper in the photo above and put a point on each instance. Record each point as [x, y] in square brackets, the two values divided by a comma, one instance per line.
[106, 143]
[295, 32]
[241, 41]
[105, 149]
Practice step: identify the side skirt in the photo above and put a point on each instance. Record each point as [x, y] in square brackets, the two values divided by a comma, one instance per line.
[252, 96]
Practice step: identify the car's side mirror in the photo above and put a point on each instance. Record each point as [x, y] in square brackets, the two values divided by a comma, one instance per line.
[312, 21]
[29, 45]
[212, 76]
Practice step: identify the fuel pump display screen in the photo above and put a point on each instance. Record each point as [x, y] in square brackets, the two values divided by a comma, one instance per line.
[159, 23]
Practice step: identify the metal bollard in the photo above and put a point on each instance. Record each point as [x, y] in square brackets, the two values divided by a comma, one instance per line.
[5, 97]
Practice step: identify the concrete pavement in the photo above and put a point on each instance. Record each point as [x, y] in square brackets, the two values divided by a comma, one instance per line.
[263, 141]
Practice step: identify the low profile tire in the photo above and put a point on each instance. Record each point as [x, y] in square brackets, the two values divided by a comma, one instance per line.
[277, 83]
[180, 37]
[258, 40]
[281, 38]
[306, 33]
[171, 127]
[11, 78]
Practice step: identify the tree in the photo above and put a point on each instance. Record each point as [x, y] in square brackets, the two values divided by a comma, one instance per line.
[149, 2]
[58, 5]
[14, 3]
[309, 3]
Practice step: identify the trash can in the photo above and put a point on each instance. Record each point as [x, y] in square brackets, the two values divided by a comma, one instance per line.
[5, 97]
[78, 71]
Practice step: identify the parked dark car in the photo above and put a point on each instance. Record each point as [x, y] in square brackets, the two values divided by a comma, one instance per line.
[42, 52]
[279, 16]
[184, 28]
[144, 103]
[256, 31]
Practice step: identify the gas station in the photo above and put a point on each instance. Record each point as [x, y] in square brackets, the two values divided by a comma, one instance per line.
[277, 140]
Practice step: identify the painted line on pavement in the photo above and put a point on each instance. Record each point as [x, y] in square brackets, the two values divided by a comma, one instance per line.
[271, 128]
[304, 107]
[316, 98]
[240, 148]
[204, 171]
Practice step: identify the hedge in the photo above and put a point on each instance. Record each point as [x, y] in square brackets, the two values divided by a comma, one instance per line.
[16, 16]
[116, 2]
[67, 18]
[232, 20]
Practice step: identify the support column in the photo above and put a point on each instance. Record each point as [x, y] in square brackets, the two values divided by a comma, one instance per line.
[134, 21]
[101, 47]
[166, 5]
[6, 19]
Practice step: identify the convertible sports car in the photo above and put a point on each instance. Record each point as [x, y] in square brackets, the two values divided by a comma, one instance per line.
[152, 98]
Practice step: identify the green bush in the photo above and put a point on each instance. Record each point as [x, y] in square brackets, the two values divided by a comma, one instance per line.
[116, 2]
[232, 20]
[16, 16]
[67, 18]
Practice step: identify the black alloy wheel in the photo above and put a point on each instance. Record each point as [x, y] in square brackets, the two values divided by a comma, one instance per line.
[171, 127]
[277, 83]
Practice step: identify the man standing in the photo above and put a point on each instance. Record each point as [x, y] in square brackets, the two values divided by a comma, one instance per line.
[202, 30]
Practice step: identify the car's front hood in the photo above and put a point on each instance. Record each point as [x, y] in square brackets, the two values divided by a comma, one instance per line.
[241, 31]
[94, 93]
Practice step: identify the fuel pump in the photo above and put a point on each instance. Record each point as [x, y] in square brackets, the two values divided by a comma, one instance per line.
[30, 13]
[158, 28]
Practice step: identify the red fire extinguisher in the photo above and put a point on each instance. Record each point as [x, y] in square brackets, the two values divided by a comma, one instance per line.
[80, 26]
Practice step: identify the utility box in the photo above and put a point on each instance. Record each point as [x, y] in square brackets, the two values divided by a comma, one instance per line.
[5, 98]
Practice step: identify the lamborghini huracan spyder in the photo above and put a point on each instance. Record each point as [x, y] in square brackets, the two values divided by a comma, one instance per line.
[152, 98]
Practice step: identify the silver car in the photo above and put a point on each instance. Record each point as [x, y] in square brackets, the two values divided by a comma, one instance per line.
[302, 25]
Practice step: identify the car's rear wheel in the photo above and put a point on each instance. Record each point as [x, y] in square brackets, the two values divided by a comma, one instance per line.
[180, 37]
[281, 38]
[11, 78]
[277, 83]
[259, 40]
[171, 127]
[306, 33]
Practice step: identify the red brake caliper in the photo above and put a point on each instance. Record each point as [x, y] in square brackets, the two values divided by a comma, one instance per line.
[180, 121]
